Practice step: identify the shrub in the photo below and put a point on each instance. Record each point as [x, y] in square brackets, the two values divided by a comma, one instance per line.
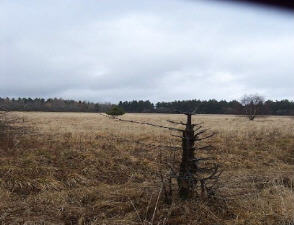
[115, 111]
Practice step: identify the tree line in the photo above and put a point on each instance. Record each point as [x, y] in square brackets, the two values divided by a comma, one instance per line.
[269, 107]
[52, 105]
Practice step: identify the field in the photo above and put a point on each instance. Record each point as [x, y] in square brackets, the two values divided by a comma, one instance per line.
[84, 168]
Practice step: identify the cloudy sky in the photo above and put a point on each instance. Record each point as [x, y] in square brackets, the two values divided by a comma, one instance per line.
[161, 50]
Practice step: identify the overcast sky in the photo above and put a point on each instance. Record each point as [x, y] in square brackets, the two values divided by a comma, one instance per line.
[161, 50]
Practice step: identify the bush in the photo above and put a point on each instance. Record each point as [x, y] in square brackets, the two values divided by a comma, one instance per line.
[115, 111]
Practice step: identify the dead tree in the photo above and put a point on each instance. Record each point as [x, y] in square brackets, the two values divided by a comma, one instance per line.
[193, 174]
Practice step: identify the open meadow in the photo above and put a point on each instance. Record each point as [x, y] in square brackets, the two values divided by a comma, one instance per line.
[84, 168]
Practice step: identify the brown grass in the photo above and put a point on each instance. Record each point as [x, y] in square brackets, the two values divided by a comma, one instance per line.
[70, 171]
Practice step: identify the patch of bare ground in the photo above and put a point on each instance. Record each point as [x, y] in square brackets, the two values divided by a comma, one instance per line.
[78, 168]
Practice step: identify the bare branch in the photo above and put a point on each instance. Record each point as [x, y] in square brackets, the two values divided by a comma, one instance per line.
[203, 159]
[176, 136]
[200, 132]
[209, 136]
[198, 128]
[197, 124]
[208, 170]
[208, 147]
[214, 175]
[143, 123]
[175, 122]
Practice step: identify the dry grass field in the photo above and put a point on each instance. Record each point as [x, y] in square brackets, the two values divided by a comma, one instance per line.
[68, 169]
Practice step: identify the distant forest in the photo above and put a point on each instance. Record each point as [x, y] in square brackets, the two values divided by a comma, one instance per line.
[269, 107]
[52, 105]
[283, 107]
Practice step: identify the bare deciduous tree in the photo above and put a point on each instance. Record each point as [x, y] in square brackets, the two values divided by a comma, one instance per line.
[252, 105]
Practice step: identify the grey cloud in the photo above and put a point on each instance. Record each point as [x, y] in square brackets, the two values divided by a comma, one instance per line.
[157, 50]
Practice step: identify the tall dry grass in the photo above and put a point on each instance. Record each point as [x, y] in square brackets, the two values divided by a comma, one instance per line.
[71, 171]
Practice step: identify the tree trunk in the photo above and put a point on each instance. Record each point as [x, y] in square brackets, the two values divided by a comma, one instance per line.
[185, 179]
